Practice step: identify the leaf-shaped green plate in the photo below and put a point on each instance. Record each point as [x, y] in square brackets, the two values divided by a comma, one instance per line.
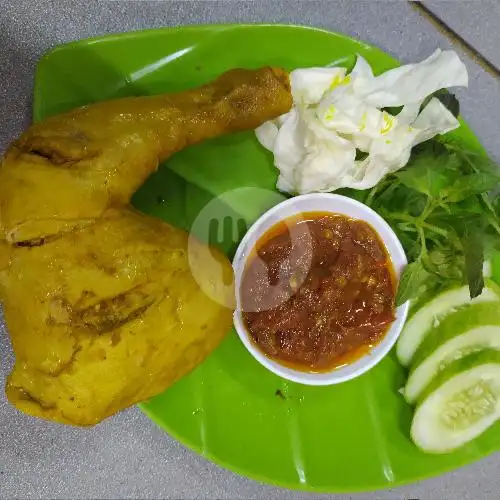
[354, 436]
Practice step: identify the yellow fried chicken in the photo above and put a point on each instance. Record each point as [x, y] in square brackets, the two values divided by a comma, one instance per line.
[101, 304]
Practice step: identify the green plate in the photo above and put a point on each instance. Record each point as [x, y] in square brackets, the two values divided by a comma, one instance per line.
[354, 436]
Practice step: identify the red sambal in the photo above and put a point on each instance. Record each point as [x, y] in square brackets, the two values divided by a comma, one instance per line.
[318, 291]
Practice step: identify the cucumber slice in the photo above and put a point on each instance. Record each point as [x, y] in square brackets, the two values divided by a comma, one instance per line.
[468, 330]
[431, 313]
[460, 404]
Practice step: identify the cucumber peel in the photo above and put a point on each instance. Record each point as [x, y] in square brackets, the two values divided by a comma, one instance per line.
[468, 330]
[430, 314]
[456, 323]
[460, 403]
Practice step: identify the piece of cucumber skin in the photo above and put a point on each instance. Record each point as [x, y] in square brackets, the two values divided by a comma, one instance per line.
[472, 361]
[456, 323]
[476, 339]
[402, 357]
[458, 366]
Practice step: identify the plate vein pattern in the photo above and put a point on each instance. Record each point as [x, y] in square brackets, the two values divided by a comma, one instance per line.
[375, 421]
[294, 429]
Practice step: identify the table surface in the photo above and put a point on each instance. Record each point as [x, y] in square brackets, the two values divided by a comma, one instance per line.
[128, 456]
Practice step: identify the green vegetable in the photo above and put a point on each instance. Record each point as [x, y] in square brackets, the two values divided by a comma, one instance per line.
[462, 402]
[440, 206]
[447, 99]
[411, 281]
[422, 321]
[468, 330]
[469, 185]
[474, 258]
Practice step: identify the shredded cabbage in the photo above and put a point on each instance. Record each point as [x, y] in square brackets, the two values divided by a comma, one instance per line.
[336, 113]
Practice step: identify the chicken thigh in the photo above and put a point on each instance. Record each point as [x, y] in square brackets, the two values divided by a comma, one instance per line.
[101, 302]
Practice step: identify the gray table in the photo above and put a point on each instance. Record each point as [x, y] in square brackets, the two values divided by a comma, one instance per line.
[128, 456]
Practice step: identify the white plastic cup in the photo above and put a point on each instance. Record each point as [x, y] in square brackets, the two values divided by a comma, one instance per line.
[335, 204]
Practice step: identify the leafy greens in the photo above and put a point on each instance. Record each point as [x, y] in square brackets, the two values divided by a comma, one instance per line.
[441, 207]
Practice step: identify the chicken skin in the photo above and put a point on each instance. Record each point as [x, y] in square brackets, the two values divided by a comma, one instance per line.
[102, 304]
